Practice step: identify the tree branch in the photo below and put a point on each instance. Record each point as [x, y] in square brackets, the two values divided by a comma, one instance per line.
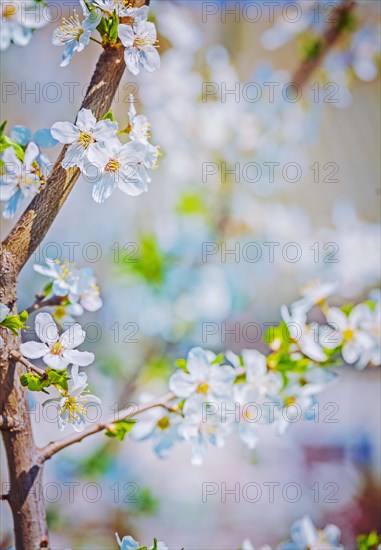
[39, 303]
[55, 446]
[16, 356]
[333, 32]
[40, 214]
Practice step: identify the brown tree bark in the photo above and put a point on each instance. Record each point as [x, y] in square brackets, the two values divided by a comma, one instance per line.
[24, 460]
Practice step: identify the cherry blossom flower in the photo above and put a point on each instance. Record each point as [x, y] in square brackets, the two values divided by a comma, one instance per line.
[350, 332]
[119, 166]
[82, 136]
[18, 19]
[202, 426]
[140, 131]
[162, 427]
[314, 293]
[140, 43]
[305, 536]
[57, 351]
[299, 397]
[129, 543]
[74, 34]
[204, 380]
[121, 7]
[21, 179]
[72, 403]
[305, 338]
[259, 387]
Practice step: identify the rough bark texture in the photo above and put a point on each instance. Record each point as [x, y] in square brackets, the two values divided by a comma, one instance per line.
[24, 460]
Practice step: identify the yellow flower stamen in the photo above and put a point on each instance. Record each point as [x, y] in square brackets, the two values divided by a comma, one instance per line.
[57, 348]
[112, 166]
[86, 139]
[163, 423]
[203, 388]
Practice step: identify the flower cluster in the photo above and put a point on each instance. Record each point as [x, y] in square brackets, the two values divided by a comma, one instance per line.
[19, 18]
[58, 352]
[303, 536]
[103, 159]
[71, 291]
[76, 289]
[215, 396]
[24, 168]
[139, 37]
[129, 543]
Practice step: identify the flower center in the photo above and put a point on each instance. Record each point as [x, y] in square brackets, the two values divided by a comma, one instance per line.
[73, 408]
[163, 423]
[9, 10]
[348, 334]
[203, 388]
[86, 139]
[143, 40]
[57, 348]
[112, 166]
[289, 401]
[70, 29]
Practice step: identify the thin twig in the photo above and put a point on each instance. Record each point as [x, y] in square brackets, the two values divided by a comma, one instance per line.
[55, 446]
[333, 32]
[16, 356]
[40, 303]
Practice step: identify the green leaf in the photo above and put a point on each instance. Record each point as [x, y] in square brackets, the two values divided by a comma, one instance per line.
[310, 47]
[120, 429]
[2, 127]
[113, 28]
[147, 503]
[15, 323]
[58, 378]
[33, 382]
[181, 364]
[109, 116]
[6, 142]
[102, 28]
[218, 359]
[368, 541]
[48, 288]
[347, 308]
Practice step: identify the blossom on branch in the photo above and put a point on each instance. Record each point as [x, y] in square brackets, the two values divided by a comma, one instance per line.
[22, 178]
[57, 351]
[74, 34]
[73, 403]
[119, 166]
[82, 136]
[140, 41]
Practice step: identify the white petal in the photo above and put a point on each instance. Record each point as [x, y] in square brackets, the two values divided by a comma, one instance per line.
[65, 132]
[46, 328]
[31, 153]
[73, 337]
[34, 350]
[126, 35]
[132, 60]
[150, 59]
[105, 130]
[54, 361]
[181, 384]
[81, 358]
[86, 121]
